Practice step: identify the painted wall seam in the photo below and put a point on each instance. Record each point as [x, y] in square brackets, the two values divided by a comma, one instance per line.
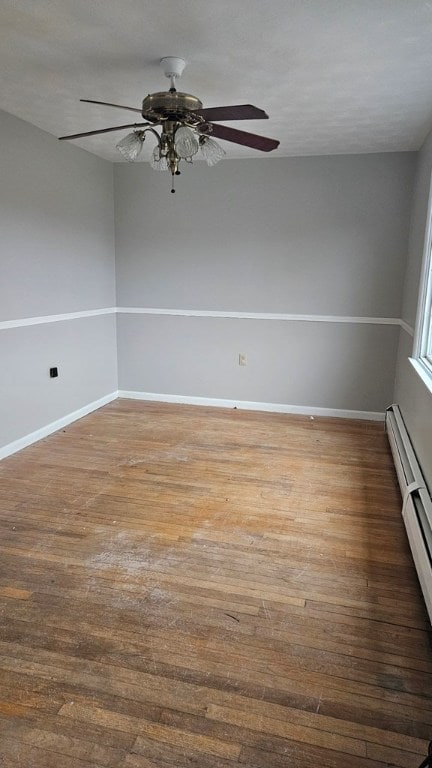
[406, 327]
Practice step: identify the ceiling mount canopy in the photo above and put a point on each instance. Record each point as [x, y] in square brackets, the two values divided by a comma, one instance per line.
[172, 67]
[185, 128]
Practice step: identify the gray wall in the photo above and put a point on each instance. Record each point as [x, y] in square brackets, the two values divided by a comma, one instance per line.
[411, 393]
[57, 256]
[313, 236]
[317, 365]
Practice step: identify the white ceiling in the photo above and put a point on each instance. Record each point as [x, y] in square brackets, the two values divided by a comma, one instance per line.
[335, 76]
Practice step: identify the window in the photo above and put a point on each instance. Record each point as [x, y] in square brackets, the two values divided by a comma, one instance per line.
[423, 338]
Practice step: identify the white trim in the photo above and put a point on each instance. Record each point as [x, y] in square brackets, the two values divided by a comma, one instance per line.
[247, 405]
[33, 437]
[5, 324]
[423, 371]
[407, 328]
[425, 287]
[421, 360]
[40, 320]
[258, 315]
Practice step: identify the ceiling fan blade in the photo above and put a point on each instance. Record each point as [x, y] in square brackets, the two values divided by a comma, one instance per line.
[242, 137]
[236, 112]
[103, 130]
[108, 104]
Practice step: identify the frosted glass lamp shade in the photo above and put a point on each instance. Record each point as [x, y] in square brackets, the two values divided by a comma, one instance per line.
[131, 146]
[186, 144]
[211, 151]
[158, 161]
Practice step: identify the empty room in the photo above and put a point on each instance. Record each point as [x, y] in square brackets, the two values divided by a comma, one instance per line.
[216, 384]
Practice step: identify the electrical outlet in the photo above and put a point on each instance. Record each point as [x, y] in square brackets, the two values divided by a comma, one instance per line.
[242, 358]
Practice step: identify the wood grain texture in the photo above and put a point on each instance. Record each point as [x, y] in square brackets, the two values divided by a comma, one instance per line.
[187, 587]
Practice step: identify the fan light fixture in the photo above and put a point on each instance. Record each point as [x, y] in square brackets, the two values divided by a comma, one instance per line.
[131, 145]
[184, 127]
[179, 138]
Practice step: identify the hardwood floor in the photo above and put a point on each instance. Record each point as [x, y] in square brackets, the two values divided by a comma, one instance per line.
[188, 587]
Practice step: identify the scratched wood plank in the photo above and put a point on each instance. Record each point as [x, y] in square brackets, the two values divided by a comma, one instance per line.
[186, 586]
[159, 732]
[76, 746]
[14, 594]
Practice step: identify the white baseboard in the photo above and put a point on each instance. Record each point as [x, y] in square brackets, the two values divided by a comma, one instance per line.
[246, 405]
[33, 437]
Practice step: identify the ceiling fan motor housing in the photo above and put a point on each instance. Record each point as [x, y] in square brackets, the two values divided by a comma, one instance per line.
[167, 105]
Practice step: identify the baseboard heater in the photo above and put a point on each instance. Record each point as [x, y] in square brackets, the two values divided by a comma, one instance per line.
[417, 503]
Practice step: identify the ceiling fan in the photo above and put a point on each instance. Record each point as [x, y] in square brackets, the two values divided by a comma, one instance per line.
[185, 127]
